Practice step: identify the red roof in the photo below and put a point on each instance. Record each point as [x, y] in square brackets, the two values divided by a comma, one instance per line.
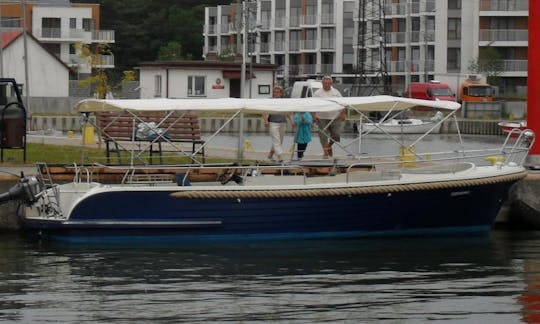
[9, 36]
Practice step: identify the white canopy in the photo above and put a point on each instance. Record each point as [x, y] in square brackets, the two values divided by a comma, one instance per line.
[372, 103]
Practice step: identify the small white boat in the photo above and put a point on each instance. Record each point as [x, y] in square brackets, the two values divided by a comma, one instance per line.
[404, 126]
[514, 128]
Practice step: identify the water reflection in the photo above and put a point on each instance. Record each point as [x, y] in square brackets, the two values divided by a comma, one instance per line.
[487, 278]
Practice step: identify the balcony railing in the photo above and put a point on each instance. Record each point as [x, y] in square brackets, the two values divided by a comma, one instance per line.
[506, 35]
[104, 60]
[211, 29]
[309, 44]
[328, 43]
[224, 28]
[51, 32]
[281, 22]
[504, 5]
[294, 46]
[396, 37]
[515, 65]
[309, 20]
[327, 68]
[328, 19]
[265, 47]
[308, 69]
[295, 21]
[103, 36]
[265, 24]
[279, 46]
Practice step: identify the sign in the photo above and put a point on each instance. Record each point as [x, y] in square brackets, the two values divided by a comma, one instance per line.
[218, 84]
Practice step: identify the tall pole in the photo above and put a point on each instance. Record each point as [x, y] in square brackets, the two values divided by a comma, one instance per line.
[240, 150]
[25, 40]
[1, 47]
[533, 97]
[408, 62]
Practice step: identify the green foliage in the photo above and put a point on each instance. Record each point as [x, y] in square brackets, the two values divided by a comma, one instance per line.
[171, 52]
[129, 76]
[490, 63]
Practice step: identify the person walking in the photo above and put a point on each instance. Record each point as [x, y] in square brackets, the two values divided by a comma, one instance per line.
[276, 125]
[330, 123]
[303, 123]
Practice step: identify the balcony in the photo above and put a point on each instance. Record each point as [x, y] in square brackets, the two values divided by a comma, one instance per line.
[224, 28]
[395, 38]
[309, 44]
[328, 19]
[504, 35]
[307, 69]
[50, 32]
[265, 47]
[294, 46]
[265, 24]
[281, 22]
[279, 46]
[211, 29]
[309, 20]
[504, 5]
[515, 65]
[328, 44]
[211, 49]
[295, 21]
[327, 68]
[104, 61]
[103, 36]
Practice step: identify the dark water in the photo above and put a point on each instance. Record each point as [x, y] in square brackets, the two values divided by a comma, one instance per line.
[492, 278]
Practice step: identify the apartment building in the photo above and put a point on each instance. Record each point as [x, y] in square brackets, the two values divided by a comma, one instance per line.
[59, 25]
[373, 41]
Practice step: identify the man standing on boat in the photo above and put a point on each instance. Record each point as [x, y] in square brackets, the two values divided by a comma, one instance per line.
[277, 125]
[330, 123]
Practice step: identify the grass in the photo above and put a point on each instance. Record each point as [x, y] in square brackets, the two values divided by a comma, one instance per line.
[64, 154]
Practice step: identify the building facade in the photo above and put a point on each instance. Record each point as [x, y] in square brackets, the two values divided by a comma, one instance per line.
[60, 26]
[373, 42]
[202, 79]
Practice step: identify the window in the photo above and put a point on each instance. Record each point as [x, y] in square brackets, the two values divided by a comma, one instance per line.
[72, 49]
[454, 28]
[157, 86]
[454, 4]
[50, 27]
[72, 23]
[196, 86]
[454, 59]
[10, 22]
[88, 24]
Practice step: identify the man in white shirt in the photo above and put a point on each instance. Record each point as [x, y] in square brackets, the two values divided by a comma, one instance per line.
[330, 123]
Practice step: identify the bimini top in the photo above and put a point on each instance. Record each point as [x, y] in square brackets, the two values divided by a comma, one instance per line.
[285, 105]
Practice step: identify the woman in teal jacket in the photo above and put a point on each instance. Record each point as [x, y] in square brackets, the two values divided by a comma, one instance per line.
[303, 123]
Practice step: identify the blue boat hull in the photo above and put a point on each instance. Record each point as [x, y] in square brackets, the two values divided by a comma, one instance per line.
[128, 215]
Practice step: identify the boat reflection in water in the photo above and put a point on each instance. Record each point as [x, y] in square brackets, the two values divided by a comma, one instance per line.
[467, 279]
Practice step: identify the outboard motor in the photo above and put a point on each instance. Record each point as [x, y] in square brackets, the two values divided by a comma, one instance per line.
[27, 189]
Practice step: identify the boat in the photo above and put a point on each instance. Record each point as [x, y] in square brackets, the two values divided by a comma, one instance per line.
[514, 128]
[404, 126]
[411, 193]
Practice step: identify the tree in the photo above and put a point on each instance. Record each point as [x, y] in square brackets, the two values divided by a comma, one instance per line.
[490, 63]
[99, 78]
[171, 52]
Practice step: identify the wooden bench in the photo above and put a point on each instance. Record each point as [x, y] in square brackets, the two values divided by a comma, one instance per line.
[115, 127]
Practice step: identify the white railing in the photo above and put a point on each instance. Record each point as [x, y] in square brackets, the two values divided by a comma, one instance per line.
[51, 33]
[103, 36]
[211, 29]
[396, 37]
[224, 28]
[308, 68]
[327, 68]
[295, 21]
[281, 22]
[265, 47]
[104, 60]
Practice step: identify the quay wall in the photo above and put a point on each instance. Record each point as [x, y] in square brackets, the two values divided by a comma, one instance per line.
[256, 125]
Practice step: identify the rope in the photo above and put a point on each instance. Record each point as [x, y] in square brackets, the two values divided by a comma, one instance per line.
[325, 192]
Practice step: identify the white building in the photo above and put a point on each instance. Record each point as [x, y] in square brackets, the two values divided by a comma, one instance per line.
[396, 40]
[44, 68]
[200, 79]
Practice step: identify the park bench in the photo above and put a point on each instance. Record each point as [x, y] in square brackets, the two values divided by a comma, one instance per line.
[160, 129]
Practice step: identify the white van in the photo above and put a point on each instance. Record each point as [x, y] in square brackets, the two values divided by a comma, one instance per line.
[304, 89]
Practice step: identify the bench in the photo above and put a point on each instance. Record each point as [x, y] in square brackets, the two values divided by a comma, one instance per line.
[176, 128]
